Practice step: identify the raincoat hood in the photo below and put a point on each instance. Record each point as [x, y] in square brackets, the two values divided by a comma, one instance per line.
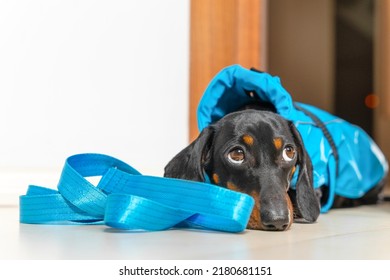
[345, 159]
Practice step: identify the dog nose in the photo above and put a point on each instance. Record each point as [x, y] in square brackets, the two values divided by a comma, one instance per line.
[276, 224]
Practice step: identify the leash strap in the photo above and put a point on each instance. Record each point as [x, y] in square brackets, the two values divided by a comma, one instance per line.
[125, 199]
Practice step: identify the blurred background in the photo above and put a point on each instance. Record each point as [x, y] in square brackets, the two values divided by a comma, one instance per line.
[333, 54]
[125, 77]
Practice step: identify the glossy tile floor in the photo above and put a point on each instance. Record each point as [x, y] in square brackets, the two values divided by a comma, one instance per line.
[358, 233]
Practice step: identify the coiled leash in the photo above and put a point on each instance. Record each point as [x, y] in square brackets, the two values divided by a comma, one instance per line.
[125, 199]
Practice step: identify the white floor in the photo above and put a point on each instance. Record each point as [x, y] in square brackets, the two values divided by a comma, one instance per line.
[358, 233]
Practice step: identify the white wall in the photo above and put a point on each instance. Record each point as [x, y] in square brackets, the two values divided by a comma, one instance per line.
[90, 76]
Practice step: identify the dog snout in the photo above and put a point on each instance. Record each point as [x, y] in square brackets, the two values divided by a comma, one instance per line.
[276, 223]
[276, 213]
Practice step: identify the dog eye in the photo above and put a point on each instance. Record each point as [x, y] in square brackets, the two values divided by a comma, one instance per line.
[236, 156]
[288, 153]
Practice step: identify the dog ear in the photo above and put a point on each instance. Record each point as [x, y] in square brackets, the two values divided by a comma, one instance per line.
[306, 200]
[190, 162]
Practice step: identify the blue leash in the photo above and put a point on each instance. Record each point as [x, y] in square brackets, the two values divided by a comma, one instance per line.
[125, 199]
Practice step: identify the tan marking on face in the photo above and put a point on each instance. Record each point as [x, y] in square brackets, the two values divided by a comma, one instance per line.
[290, 212]
[278, 143]
[255, 218]
[248, 139]
[292, 172]
[232, 186]
[216, 178]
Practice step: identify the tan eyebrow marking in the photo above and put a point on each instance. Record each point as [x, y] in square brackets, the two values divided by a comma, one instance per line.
[248, 139]
[278, 142]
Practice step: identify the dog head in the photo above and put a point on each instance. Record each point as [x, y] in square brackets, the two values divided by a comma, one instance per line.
[254, 152]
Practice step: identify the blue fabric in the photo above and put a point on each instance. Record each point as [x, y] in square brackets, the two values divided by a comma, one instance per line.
[125, 199]
[361, 164]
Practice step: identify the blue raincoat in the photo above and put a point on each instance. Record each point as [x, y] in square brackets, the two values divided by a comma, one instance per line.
[344, 157]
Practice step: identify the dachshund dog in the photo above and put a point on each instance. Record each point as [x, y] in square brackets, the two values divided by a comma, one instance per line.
[255, 152]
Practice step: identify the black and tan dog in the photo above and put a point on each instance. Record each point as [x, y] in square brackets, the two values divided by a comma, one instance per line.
[255, 152]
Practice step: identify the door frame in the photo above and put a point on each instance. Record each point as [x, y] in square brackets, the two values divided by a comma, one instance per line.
[223, 32]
